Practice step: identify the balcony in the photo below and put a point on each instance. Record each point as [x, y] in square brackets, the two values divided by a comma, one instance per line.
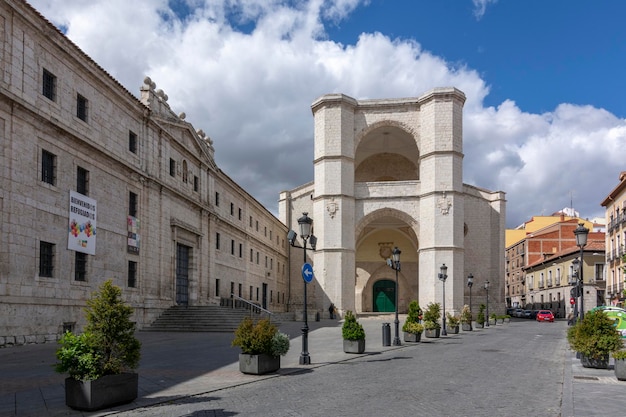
[549, 282]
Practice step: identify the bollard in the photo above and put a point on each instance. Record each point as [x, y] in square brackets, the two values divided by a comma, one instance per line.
[386, 334]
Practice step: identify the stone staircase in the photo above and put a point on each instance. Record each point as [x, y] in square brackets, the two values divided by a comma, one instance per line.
[201, 319]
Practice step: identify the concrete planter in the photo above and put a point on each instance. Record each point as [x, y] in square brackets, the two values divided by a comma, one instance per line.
[620, 369]
[104, 392]
[453, 329]
[599, 363]
[354, 346]
[432, 333]
[466, 327]
[412, 337]
[480, 325]
[258, 364]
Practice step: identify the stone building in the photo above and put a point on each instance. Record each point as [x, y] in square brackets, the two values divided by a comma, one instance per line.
[389, 173]
[615, 206]
[98, 184]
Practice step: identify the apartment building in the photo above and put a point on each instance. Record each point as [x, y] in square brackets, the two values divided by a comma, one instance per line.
[615, 206]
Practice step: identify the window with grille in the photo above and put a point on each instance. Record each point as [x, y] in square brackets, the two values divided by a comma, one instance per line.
[81, 107]
[132, 274]
[217, 287]
[80, 267]
[132, 141]
[132, 204]
[217, 240]
[82, 181]
[196, 183]
[48, 169]
[232, 247]
[46, 259]
[49, 89]
[217, 198]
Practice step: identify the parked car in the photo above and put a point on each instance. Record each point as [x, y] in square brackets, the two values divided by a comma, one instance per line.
[519, 313]
[545, 315]
[527, 314]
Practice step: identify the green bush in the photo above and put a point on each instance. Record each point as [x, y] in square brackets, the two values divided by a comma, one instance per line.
[480, 317]
[411, 327]
[619, 354]
[256, 338]
[595, 336]
[453, 321]
[108, 344]
[351, 329]
[412, 318]
[431, 316]
[280, 344]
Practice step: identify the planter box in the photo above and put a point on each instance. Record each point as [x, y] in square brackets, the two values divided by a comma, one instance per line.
[620, 369]
[432, 333]
[600, 363]
[466, 327]
[480, 325]
[500, 321]
[258, 364]
[412, 337]
[452, 329]
[492, 322]
[104, 392]
[354, 346]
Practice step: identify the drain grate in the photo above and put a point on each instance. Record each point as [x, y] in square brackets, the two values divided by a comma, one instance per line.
[588, 378]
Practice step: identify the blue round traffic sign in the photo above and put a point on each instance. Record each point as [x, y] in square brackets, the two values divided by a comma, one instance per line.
[307, 272]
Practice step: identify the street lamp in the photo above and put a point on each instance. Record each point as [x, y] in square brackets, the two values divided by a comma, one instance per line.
[487, 289]
[575, 291]
[470, 283]
[581, 233]
[394, 263]
[306, 224]
[442, 277]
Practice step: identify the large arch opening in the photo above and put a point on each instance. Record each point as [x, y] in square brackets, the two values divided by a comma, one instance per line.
[377, 234]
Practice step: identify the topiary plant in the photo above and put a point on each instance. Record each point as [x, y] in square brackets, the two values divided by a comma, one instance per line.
[351, 328]
[413, 317]
[108, 344]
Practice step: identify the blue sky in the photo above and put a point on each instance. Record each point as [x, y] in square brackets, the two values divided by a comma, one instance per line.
[544, 119]
[538, 53]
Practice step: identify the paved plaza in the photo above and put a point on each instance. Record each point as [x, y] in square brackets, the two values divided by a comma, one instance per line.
[521, 368]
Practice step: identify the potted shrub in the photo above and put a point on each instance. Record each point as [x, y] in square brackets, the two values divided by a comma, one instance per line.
[353, 334]
[412, 328]
[594, 337]
[452, 323]
[620, 364]
[101, 359]
[432, 328]
[261, 346]
[480, 317]
[466, 319]
[492, 319]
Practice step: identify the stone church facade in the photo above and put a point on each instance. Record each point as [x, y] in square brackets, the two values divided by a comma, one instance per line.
[389, 173]
[98, 184]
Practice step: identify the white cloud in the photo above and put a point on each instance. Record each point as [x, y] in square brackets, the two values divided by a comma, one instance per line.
[480, 7]
[251, 91]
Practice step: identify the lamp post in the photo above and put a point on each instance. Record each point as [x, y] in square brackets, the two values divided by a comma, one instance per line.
[442, 277]
[470, 283]
[306, 224]
[487, 289]
[575, 291]
[394, 263]
[581, 233]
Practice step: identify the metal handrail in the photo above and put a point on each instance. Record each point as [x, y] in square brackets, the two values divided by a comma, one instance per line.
[252, 305]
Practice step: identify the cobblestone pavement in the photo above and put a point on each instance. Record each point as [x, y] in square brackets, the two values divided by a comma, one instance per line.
[519, 368]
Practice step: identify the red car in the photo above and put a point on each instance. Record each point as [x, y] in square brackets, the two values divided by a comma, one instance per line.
[545, 315]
